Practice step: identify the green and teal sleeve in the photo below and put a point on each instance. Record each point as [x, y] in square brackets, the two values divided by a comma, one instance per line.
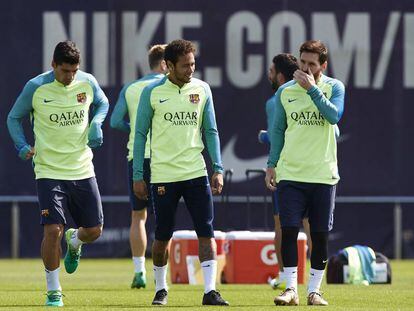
[333, 108]
[142, 126]
[21, 109]
[270, 113]
[119, 112]
[277, 138]
[209, 127]
[100, 107]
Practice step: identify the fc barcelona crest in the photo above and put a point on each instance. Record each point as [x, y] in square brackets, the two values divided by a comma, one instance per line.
[161, 190]
[194, 98]
[81, 97]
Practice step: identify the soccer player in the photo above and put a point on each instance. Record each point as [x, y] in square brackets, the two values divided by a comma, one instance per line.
[61, 102]
[128, 104]
[281, 71]
[303, 150]
[179, 110]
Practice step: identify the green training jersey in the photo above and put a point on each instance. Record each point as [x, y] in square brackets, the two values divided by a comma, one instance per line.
[127, 103]
[304, 146]
[178, 117]
[60, 117]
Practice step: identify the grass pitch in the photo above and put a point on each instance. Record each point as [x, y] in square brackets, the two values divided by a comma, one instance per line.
[104, 285]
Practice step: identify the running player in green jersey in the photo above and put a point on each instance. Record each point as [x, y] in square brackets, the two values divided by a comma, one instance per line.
[128, 104]
[179, 111]
[61, 102]
[303, 150]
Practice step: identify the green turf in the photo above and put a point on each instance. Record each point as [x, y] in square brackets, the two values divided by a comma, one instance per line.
[105, 285]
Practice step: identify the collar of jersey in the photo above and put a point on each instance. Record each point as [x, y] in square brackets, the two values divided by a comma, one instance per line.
[321, 80]
[62, 85]
[170, 84]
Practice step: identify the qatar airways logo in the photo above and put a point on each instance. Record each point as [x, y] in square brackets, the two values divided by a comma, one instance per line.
[308, 118]
[68, 118]
[181, 118]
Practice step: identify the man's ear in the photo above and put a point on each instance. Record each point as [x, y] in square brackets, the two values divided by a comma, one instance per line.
[163, 65]
[280, 78]
[324, 65]
[170, 65]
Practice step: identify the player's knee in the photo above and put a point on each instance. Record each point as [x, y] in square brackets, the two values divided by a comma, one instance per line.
[53, 232]
[140, 215]
[93, 233]
[290, 234]
[205, 230]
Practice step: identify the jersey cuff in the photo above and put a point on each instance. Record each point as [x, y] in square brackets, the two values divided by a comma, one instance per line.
[218, 168]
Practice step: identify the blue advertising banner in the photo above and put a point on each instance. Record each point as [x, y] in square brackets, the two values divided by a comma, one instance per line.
[371, 49]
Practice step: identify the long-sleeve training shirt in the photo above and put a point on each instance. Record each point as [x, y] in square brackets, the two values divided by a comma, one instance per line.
[303, 140]
[127, 103]
[177, 117]
[60, 117]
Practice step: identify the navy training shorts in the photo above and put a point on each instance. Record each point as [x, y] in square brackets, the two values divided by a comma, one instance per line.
[198, 200]
[80, 198]
[299, 199]
[137, 204]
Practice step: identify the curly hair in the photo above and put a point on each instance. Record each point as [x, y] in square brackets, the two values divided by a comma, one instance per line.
[178, 48]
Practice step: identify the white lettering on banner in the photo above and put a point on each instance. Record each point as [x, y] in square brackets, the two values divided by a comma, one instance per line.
[100, 44]
[177, 253]
[248, 74]
[54, 31]
[247, 52]
[175, 22]
[268, 255]
[409, 50]
[355, 43]
[135, 43]
[280, 24]
[386, 50]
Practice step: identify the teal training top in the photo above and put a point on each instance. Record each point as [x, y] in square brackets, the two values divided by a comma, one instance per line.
[60, 116]
[303, 140]
[177, 117]
[127, 103]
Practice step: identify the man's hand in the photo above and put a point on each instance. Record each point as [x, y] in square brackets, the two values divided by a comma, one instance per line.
[305, 80]
[140, 190]
[27, 152]
[270, 178]
[217, 183]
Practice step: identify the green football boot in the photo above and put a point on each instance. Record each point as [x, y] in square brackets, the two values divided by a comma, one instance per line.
[72, 256]
[139, 281]
[54, 298]
[276, 283]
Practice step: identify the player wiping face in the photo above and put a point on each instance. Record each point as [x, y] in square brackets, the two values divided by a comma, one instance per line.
[310, 70]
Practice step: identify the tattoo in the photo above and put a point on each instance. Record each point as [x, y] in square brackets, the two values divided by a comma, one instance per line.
[160, 253]
[207, 249]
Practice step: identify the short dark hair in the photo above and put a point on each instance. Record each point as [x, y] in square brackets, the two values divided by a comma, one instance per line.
[156, 55]
[178, 48]
[66, 52]
[317, 47]
[286, 64]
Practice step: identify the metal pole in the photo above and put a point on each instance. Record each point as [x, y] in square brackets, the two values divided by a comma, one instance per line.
[397, 231]
[15, 229]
